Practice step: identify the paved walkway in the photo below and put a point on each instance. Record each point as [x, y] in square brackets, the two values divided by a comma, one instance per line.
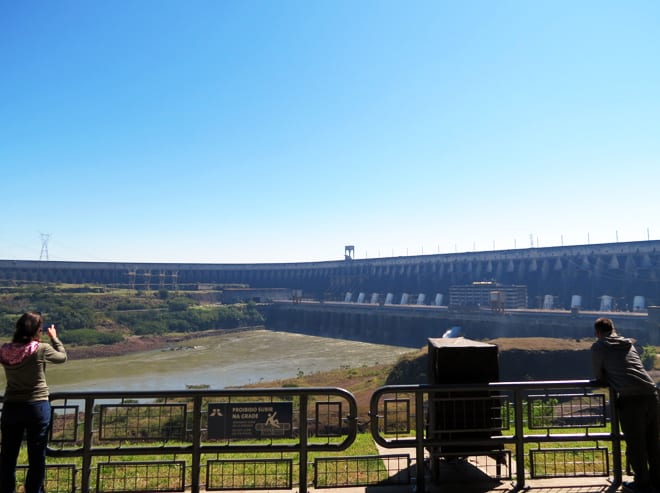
[469, 479]
[466, 478]
[563, 485]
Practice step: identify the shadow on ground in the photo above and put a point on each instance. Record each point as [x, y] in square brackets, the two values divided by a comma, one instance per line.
[463, 477]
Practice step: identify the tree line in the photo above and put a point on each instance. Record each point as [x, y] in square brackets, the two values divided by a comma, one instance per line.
[88, 315]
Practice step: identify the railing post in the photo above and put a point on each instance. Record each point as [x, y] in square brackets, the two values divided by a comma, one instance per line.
[197, 444]
[302, 470]
[87, 446]
[419, 427]
[617, 466]
[520, 439]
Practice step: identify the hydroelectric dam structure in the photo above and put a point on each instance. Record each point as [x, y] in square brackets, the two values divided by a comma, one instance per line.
[363, 298]
[621, 271]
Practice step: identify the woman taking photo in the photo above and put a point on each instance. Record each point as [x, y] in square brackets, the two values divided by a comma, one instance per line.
[26, 407]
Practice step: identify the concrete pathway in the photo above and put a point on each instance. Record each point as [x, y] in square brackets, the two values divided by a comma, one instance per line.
[476, 477]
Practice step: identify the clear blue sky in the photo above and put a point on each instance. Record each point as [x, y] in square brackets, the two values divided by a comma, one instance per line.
[281, 131]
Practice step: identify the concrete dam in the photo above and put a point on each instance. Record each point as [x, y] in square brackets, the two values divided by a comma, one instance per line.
[412, 325]
[620, 271]
[404, 300]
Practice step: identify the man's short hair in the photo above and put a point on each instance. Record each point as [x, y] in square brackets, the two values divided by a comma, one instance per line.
[604, 325]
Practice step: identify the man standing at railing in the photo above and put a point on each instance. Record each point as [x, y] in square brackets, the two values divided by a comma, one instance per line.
[616, 363]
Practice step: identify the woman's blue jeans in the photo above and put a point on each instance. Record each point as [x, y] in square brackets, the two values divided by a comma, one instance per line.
[18, 418]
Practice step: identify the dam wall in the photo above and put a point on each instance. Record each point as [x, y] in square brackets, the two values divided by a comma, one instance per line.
[623, 272]
[411, 326]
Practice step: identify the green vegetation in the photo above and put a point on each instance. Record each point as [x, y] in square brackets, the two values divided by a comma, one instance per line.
[89, 337]
[87, 315]
[649, 354]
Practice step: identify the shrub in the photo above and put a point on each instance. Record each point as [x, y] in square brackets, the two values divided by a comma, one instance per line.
[150, 327]
[648, 357]
[131, 305]
[89, 337]
[8, 324]
[179, 325]
[177, 305]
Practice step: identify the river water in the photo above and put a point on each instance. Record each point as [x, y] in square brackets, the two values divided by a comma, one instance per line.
[217, 361]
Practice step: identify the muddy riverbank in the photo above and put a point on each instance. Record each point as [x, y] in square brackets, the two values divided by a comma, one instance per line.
[213, 360]
[136, 344]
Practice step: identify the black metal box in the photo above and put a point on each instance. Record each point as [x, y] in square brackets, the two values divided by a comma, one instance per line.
[460, 415]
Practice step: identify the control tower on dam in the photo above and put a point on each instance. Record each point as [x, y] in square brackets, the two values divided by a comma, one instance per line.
[626, 273]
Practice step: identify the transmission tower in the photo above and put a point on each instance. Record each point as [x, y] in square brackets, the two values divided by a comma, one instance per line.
[44, 246]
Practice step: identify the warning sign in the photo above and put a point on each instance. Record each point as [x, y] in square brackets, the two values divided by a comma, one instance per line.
[250, 420]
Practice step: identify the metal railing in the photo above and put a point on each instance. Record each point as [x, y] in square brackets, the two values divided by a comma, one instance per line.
[240, 439]
[450, 422]
[164, 441]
